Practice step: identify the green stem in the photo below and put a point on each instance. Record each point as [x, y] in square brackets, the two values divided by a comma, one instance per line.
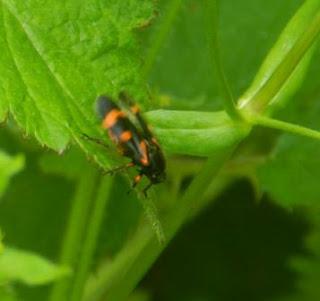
[73, 237]
[279, 77]
[161, 34]
[285, 126]
[90, 241]
[216, 60]
[118, 279]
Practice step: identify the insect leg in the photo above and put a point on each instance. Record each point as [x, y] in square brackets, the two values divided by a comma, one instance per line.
[95, 140]
[144, 191]
[136, 180]
[119, 168]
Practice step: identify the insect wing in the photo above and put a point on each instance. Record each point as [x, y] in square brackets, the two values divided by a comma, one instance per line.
[122, 131]
[135, 111]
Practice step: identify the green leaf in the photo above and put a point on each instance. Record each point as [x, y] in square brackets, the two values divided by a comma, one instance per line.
[196, 133]
[247, 30]
[30, 199]
[140, 295]
[71, 164]
[28, 268]
[291, 174]
[58, 57]
[6, 294]
[307, 268]
[1, 243]
[9, 166]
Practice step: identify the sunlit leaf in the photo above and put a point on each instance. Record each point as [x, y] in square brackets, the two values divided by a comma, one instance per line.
[57, 57]
[28, 268]
[9, 165]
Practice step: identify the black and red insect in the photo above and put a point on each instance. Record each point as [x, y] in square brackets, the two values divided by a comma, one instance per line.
[132, 139]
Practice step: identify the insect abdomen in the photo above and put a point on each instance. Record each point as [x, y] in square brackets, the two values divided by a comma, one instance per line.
[120, 129]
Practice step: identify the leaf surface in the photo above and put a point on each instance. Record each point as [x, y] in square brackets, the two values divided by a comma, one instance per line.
[57, 57]
[8, 167]
[27, 267]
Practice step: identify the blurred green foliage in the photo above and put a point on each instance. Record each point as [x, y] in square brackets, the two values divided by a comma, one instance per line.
[247, 30]
[9, 166]
[17, 265]
[238, 247]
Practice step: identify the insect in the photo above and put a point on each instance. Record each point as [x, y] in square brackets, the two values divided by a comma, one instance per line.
[133, 139]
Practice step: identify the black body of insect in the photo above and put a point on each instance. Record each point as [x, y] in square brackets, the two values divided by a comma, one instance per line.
[133, 141]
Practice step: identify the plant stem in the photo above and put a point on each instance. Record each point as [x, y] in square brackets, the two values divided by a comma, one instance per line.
[73, 237]
[161, 34]
[118, 279]
[285, 126]
[90, 240]
[212, 17]
[281, 74]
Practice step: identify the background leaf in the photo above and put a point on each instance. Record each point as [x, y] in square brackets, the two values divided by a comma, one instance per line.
[29, 268]
[238, 250]
[247, 30]
[6, 294]
[8, 167]
[291, 174]
[1, 243]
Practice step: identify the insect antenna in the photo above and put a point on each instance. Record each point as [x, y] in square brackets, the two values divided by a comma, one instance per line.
[118, 169]
[95, 140]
